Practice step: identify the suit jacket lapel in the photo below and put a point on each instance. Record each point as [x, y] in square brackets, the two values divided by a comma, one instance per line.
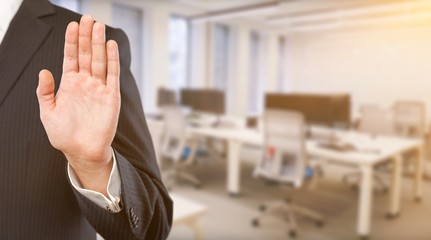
[24, 36]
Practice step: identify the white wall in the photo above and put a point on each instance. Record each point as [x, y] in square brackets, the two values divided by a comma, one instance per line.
[156, 47]
[270, 61]
[375, 66]
[239, 62]
[240, 71]
[199, 62]
[156, 52]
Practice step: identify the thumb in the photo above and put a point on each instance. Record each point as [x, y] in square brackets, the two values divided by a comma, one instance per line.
[45, 90]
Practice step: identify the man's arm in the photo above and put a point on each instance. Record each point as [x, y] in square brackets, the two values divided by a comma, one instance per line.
[82, 117]
[141, 188]
[82, 120]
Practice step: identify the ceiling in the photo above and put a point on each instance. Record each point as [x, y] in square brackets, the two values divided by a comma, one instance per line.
[218, 4]
[299, 14]
[285, 5]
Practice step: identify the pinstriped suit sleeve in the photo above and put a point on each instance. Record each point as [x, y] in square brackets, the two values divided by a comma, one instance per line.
[147, 207]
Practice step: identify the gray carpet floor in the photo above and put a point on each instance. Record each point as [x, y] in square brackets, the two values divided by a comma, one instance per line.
[230, 218]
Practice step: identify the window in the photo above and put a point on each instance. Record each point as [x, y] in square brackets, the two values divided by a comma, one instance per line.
[281, 63]
[179, 38]
[129, 19]
[255, 93]
[73, 5]
[221, 56]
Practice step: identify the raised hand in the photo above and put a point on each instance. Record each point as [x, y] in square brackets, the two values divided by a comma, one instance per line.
[81, 119]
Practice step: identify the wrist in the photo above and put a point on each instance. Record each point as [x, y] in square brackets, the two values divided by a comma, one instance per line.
[93, 175]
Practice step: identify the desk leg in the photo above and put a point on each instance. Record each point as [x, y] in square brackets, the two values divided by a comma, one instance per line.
[234, 171]
[395, 192]
[419, 173]
[365, 201]
[198, 229]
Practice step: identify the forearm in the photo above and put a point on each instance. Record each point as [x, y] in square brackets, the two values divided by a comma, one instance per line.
[147, 208]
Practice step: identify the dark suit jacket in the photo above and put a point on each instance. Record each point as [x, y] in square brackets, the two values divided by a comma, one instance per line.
[37, 200]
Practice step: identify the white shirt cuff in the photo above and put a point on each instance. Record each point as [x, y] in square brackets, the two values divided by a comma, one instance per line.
[114, 189]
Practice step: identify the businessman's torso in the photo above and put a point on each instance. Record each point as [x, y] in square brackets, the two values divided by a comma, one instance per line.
[37, 201]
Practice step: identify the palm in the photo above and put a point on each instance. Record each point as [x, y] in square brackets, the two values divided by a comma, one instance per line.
[81, 119]
[84, 111]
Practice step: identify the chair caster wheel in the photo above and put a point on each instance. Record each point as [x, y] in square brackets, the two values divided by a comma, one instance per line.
[322, 173]
[292, 234]
[320, 223]
[365, 237]
[391, 216]
[234, 195]
[255, 223]
[262, 208]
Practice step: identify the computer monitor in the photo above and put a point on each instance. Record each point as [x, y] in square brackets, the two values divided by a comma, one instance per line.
[188, 97]
[341, 107]
[166, 97]
[319, 109]
[204, 100]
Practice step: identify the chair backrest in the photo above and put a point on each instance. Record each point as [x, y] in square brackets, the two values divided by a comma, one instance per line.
[409, 118]
[284, 157]
[174, 133]
[376, 120]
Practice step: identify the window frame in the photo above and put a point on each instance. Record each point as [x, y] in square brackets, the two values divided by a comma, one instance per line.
[60, 4]
[188, 51]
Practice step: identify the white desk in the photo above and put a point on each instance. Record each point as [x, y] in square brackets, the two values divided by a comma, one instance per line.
[389, 148]
[188, 212]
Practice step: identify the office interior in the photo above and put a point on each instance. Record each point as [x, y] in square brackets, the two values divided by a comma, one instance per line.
[289, 119]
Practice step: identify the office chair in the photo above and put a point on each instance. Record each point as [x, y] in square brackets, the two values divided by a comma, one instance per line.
[409, 120]
[177, 147]
[285, 162]
[375, 121]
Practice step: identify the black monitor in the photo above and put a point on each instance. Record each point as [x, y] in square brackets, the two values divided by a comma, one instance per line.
[166, 97]
[320, 109]
[188, 97]
[204, 100]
